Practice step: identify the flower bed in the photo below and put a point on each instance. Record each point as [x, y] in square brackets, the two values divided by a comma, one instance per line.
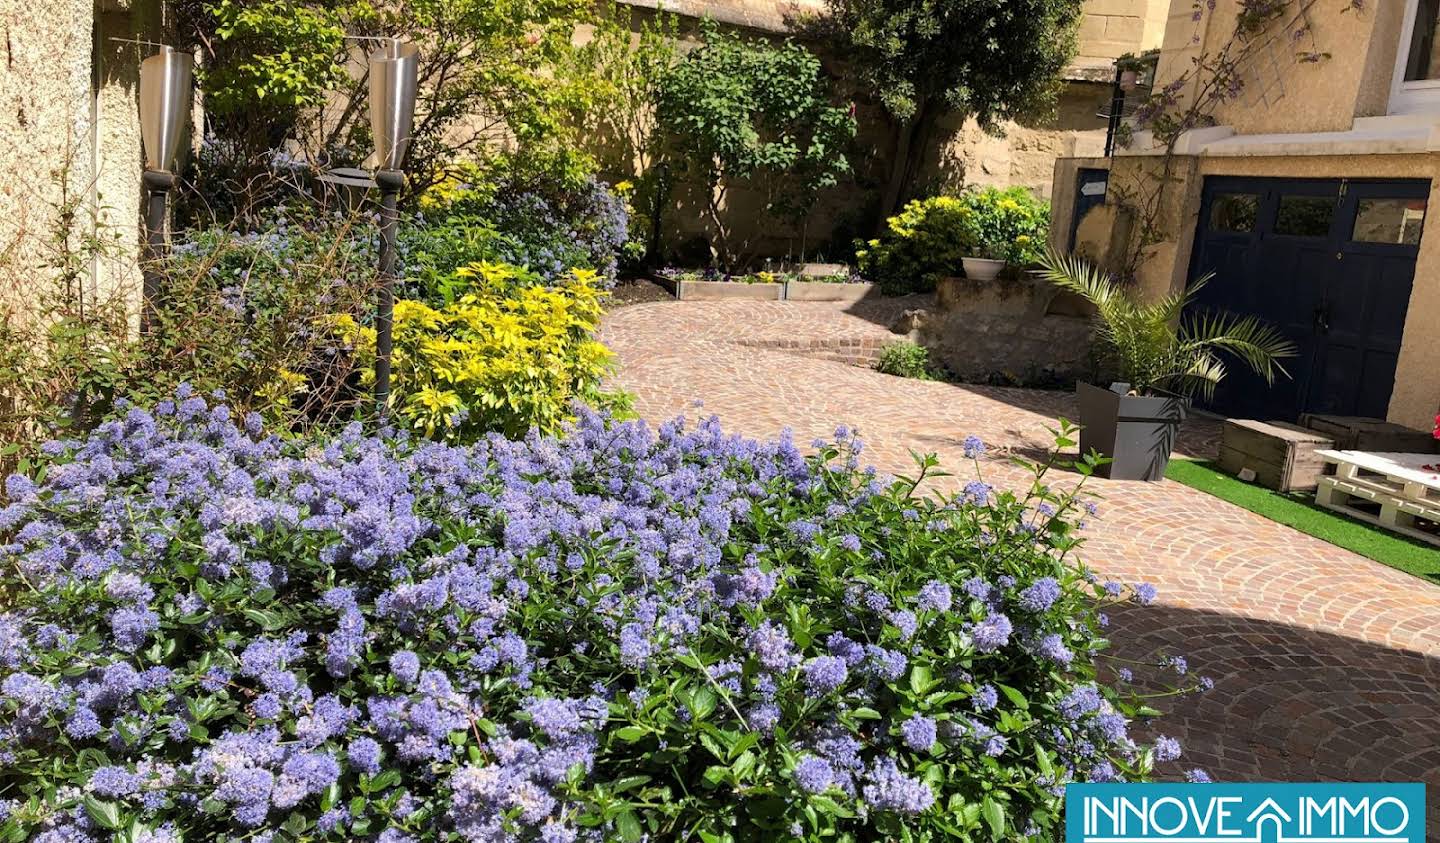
[615, 634]
[763, 286]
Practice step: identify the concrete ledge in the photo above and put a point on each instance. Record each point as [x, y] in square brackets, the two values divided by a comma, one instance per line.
[826, 291]
[728, 291]
[1368, 136]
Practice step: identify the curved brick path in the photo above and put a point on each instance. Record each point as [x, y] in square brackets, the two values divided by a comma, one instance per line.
[1327, 665]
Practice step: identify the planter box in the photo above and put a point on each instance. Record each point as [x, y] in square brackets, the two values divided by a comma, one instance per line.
[820, 270]
[826, 291]
[1136, 432]
[1280, 456]
[1358, 433]
[722, 290]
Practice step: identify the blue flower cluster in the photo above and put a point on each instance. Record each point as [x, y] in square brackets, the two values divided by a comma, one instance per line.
[547, 233]
[617, 634]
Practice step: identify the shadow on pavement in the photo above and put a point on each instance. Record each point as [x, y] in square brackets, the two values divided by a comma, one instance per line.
[1290, 703]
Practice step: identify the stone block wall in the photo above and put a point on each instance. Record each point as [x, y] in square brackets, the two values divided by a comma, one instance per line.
[987, 348]
[1111, 28]
[1018, 331]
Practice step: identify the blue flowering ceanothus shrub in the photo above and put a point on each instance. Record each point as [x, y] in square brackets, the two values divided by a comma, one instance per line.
[216, 634]
[547, 234]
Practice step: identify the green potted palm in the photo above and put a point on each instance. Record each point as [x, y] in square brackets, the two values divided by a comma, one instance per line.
[1163, 357]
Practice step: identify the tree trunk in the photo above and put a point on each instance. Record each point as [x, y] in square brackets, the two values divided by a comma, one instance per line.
[912, 140]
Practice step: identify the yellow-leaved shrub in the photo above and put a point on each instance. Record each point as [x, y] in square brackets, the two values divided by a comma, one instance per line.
[498, 358]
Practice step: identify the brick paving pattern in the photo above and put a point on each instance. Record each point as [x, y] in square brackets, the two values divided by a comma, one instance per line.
[1326, 665]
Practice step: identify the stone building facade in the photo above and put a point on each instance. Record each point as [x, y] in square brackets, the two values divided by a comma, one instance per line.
[1307, 200]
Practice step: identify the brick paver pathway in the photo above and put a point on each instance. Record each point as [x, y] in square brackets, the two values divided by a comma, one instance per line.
[1327, 665]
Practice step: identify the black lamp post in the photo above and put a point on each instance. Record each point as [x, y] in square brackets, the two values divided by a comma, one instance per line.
[165, 100]
[394, 75]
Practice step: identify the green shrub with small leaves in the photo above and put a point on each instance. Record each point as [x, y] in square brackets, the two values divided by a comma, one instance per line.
[1010, 225]
[920, 245]
[907, 360]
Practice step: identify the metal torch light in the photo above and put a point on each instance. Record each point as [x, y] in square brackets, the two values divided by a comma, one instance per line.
[165, 100]
[394, 78]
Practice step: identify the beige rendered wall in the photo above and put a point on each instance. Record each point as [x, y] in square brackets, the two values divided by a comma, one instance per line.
[1281, 92]
[1165, 267]
[1023, 154]
[1111, 28]
[69, 134]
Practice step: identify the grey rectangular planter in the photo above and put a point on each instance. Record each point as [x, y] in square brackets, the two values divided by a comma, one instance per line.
[1136, 432]
[826, 291]
[722, 290]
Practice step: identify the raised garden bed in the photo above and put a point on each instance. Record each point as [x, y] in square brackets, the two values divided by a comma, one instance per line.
[803, 290]
[687, 289]
[764, 286]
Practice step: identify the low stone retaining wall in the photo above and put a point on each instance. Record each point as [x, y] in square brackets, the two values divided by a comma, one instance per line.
[727, 291]
[1019, 330]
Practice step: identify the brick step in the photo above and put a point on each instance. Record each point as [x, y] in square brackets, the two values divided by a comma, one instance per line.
[852, 351]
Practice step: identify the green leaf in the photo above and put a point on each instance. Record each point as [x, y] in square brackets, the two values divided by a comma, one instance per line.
[631, 734]
[1015, 697]
[266, 619]
[104, 814]
[628, 783]
[385, 780]
[702, 702]
[629, 826]
[920, 679]
[994, 814]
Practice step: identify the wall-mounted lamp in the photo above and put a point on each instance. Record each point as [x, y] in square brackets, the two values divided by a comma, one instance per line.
[165, 99]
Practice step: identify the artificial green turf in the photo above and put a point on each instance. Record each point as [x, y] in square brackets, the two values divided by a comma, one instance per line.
[1299, 511]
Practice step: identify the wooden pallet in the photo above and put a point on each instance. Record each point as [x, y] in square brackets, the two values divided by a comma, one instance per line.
[1389, 490]
[1403, 475]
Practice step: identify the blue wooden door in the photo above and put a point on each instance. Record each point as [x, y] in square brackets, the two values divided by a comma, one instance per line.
[1090, 186]
[1330, 262]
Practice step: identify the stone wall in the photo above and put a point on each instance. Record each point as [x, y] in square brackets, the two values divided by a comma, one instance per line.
[70, 141]
[1111, 28]
[1016, 331]
[1020, 154]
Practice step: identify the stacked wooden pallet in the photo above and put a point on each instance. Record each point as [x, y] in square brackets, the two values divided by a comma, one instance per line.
[1399, 492]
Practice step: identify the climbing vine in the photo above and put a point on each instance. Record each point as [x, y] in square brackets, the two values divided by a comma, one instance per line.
[1189, 101]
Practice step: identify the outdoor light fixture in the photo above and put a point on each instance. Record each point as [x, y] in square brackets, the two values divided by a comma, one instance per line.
[394, 79]
[165, 99]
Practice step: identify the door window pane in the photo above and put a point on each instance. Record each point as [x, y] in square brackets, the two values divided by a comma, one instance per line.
[1389, 221]
[1423, 61]
[1304, 216]
[1233, 212]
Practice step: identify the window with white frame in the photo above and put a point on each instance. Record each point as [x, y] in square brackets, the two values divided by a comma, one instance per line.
[1416, 87]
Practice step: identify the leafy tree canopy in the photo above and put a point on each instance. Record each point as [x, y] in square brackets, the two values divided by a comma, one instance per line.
[745, 109]
[991, 59]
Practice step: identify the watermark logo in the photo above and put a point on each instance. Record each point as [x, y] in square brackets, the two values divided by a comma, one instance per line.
[1245, 813]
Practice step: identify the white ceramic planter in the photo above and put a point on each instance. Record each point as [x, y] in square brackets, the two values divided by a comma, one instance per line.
[982, 269]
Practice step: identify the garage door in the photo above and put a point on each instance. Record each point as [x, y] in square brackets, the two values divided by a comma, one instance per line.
[1329, 262]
